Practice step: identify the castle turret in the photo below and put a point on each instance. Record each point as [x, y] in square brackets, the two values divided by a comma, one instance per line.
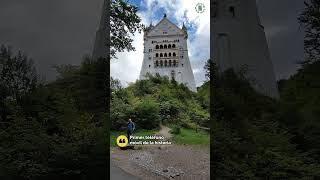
[240, 43]
[185, 30]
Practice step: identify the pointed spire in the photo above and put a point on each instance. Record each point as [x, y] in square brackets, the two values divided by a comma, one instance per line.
[184, 27]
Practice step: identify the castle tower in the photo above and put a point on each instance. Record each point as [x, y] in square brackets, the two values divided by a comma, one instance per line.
[100, 48]
[166, 53]
[240, 42]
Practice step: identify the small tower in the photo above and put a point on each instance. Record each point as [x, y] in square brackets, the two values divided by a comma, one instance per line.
[240, 42]
[100, 49]
[166, 53]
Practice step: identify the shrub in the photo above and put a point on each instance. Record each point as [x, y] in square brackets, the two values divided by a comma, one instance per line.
[176, 129]
[120, 112]
[147, 114]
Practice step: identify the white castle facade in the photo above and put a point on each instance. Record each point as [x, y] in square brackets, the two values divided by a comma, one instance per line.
[166, 53]
[240, 42]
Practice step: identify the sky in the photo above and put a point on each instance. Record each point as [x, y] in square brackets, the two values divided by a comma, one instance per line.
[284, 34]
[63, 31]
[128, 65]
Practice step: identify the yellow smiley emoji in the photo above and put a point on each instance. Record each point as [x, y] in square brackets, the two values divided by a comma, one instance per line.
[122, 141]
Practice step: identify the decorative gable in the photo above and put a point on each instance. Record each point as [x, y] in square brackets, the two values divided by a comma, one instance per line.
[165, 28]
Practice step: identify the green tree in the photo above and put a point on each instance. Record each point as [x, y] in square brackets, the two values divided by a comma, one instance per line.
[87, 84]
[120, 112]
[124, 22]
[147, 114]
[18, 78]
[310, 20]
[55, 133]
[300, 108]
[207, 69]
[157, 99]
[250, 139]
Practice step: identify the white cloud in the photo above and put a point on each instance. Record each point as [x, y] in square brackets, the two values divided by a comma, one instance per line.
[127, 66]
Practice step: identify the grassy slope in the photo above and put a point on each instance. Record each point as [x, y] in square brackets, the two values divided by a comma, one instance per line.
[190, 136]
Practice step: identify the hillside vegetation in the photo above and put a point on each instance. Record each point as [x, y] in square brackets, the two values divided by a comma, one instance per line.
[256, 137]
[56, 130]
[158, 100]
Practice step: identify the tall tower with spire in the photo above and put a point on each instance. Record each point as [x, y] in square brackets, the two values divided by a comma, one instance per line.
[240, 43]
[166, 53]
[100, 48]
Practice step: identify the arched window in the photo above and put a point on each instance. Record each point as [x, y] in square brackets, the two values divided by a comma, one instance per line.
[161, 63]
[161, 47]
[169, 46]
[173, 46]
[174, 54]
[165, 63]
[170, 62]
[161, 55]
[165, 46]
[232, 11]
[157, 46]
[169, 54]
[157, 55]
[165, 54]
[174, 63]
[157, 63]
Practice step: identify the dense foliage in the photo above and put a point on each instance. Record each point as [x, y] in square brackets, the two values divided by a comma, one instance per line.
[300, 109]
[157, 99]
[254, 136]
[310, 20]
[55, 130]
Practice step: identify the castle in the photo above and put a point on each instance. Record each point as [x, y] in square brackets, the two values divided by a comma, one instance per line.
[166, 53]
[240, 43]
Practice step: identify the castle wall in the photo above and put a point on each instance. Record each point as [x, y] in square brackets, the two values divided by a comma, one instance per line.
[240, 43]
[172, 59]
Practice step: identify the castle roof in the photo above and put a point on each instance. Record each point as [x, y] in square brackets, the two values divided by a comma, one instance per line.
[165, 25]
